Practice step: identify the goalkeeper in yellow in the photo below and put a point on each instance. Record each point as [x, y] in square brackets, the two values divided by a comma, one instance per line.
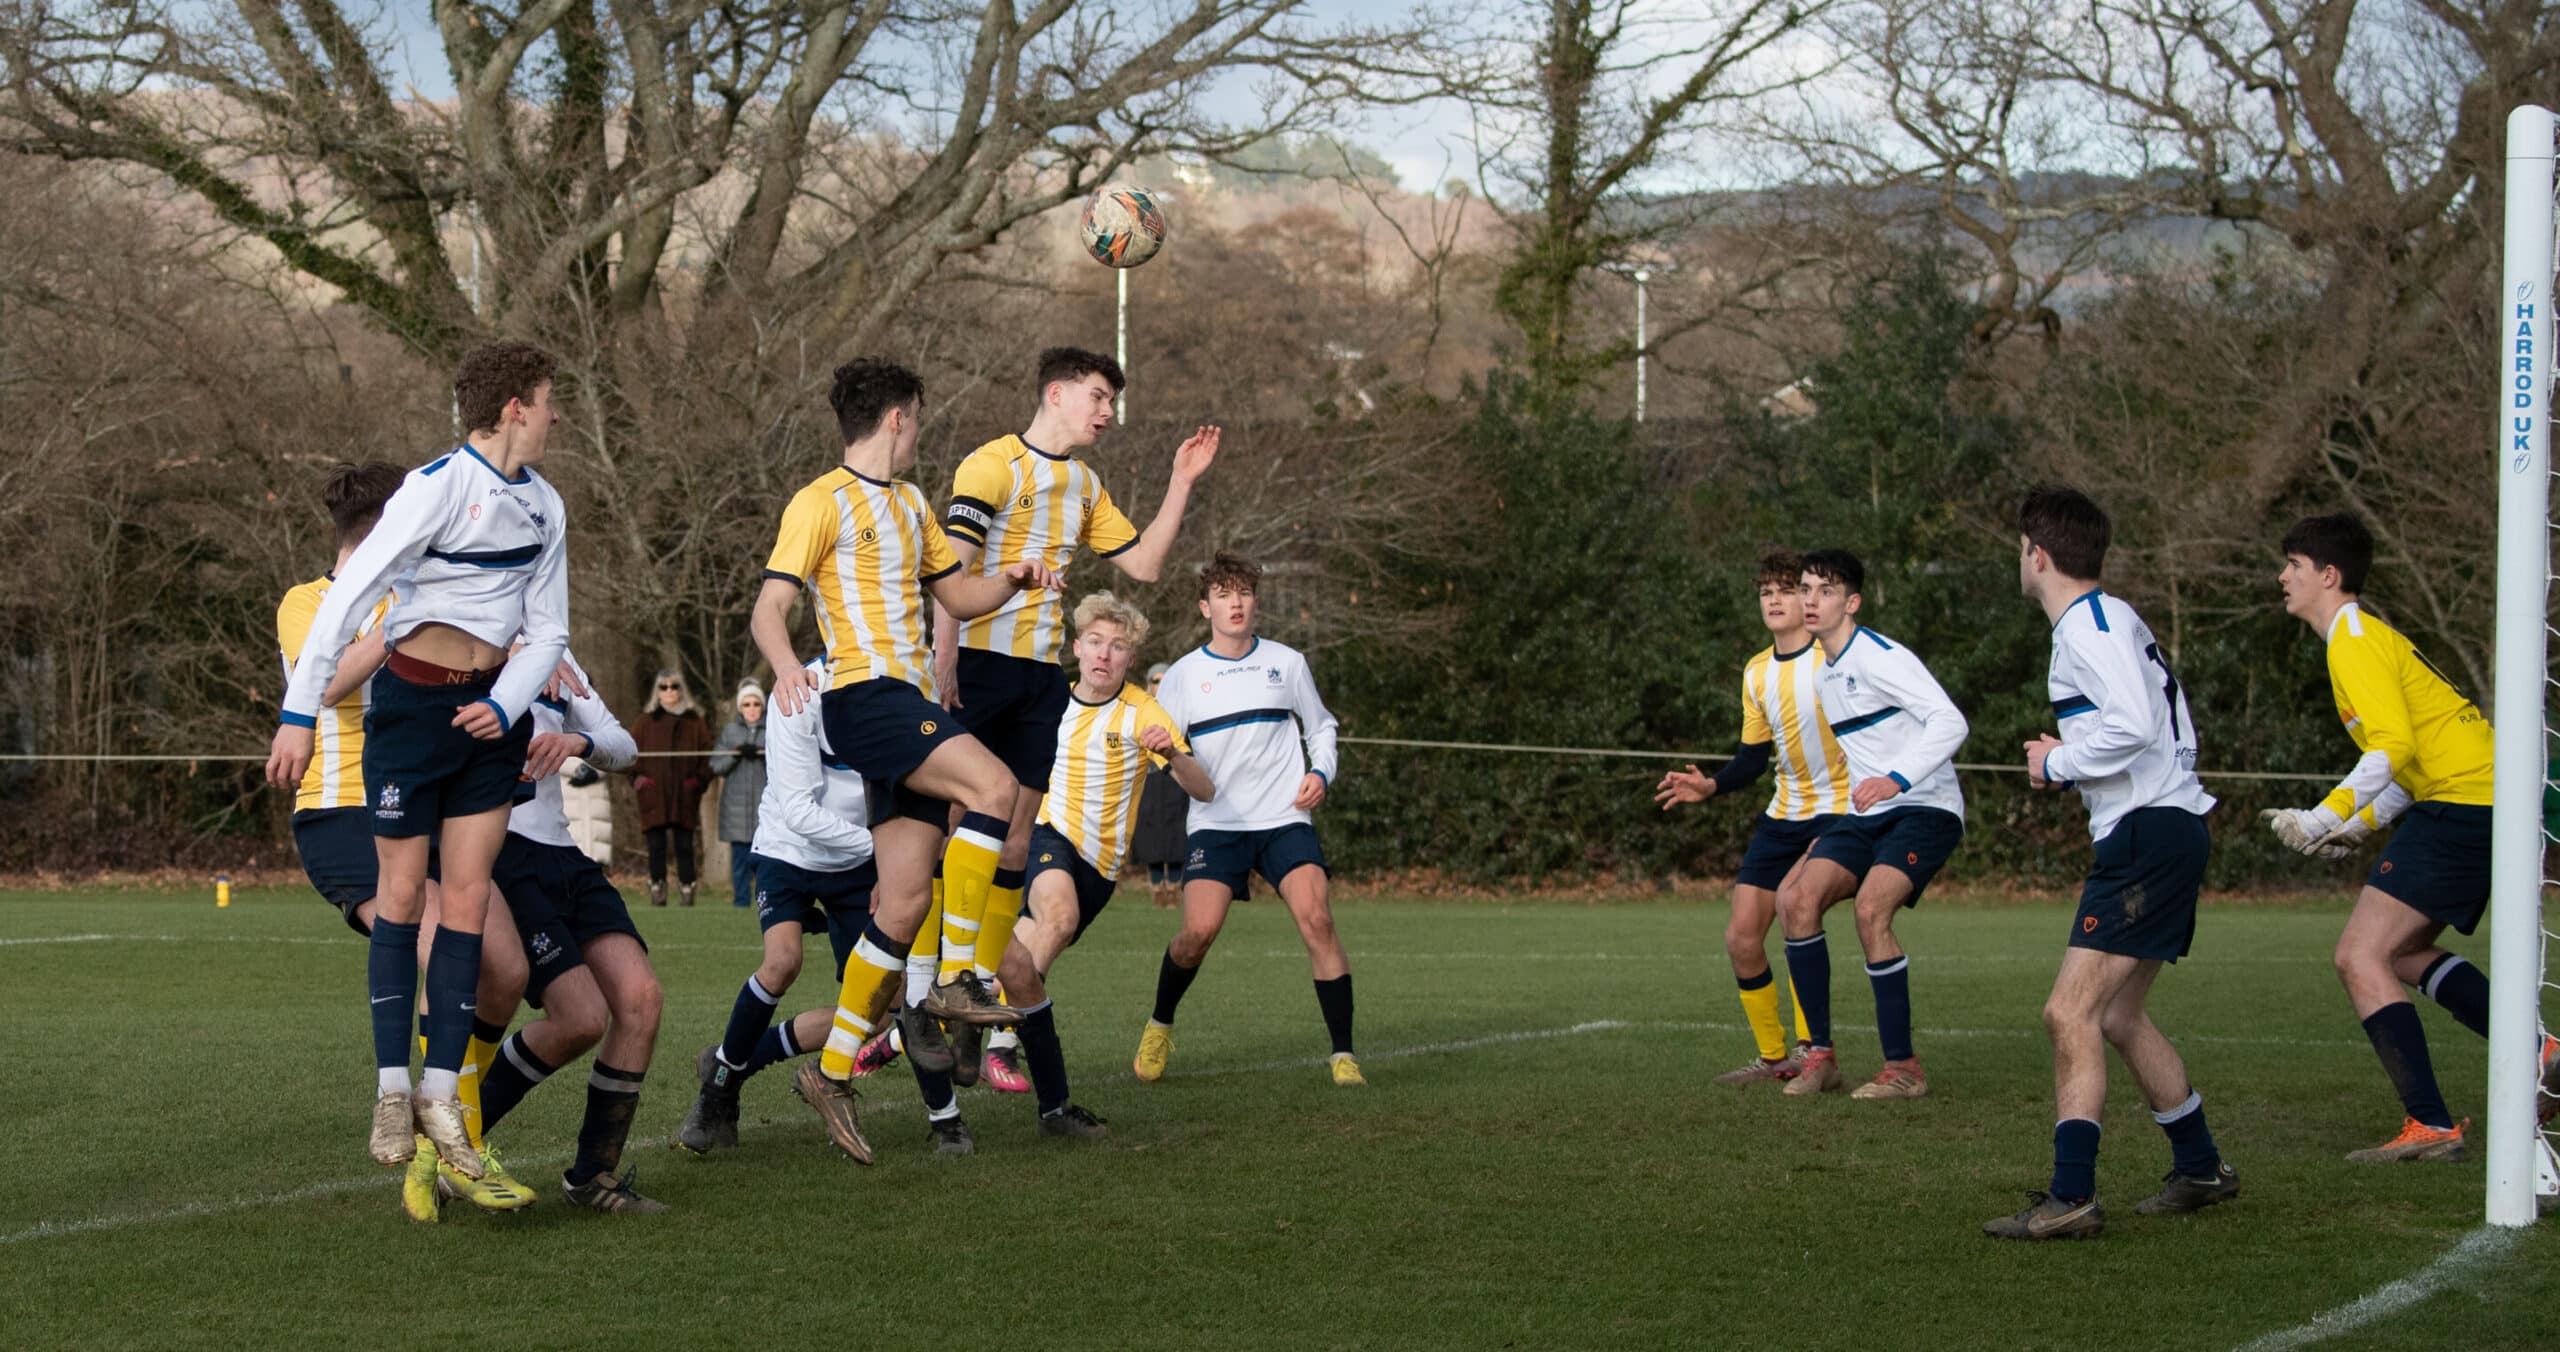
[2426, 766]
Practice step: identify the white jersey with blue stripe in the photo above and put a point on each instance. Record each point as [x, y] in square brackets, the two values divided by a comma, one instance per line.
[461, 545]
[814, 813]
[2128, 741]
[541, 818]
[1256, 725]
[1893, 721]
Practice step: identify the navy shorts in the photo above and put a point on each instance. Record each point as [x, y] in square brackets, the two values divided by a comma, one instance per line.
[419, 769]
[1274, 852]
[1916, 840]
[2140, 899]
[884, 728]
[2437, 863]
[336, 844]
[1054, 853]
[839, 903]
[1014, 705]
[1775, 847]
[562, 901]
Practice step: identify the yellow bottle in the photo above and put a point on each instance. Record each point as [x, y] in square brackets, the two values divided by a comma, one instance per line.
[221, 891]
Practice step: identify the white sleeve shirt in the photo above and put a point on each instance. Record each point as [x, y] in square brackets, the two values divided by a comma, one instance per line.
[1893, 720]
[1256, 724]
[462, 546]
[2128, 740]
[542, 818]
[815, 811]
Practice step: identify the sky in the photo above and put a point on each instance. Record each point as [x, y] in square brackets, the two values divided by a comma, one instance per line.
[1427, 143]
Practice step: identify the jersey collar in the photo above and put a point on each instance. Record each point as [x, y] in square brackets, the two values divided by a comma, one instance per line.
[1112, 698]
[1026, 445]
[1809, 645]
[1219, 657]
[2091, 596]
[2347, 616]
[1833, 659]
[524, 475]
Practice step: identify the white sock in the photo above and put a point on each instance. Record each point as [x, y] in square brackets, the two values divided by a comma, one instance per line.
[390, 1080]
[440, 1084]
[1003, 1039]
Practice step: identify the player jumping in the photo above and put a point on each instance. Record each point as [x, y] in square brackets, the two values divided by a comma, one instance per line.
[475, 543]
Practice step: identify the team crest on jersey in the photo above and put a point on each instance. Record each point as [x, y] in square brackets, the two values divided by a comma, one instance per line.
[868, 535]
[1274, 675]
[1024, 502]
[475, 511]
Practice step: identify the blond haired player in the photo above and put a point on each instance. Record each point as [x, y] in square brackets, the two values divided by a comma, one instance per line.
[1113, 733]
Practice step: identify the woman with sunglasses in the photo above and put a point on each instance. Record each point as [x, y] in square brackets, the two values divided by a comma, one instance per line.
[673, 772]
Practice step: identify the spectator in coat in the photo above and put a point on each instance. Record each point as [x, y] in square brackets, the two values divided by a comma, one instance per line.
[738, 759]
[669, 786]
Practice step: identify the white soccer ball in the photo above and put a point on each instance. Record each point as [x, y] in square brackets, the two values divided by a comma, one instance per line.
[1123, 227]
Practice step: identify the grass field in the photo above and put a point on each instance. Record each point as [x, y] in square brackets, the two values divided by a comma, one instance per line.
[1539, 1161]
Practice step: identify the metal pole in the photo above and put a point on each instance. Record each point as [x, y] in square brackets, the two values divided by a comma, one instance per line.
[2524, 578]
[1642, 277]
[1123, 354]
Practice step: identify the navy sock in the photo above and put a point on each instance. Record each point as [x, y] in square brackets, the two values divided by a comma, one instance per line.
[1892, 982]
[453, 988]
[484, 1031]
[934, 1087]
[748, 1020]
[511, 1076]
[613, 1096]
[391, 978]
[2075, 1159]
[1809, 967]
[1172, 979]
[2191, 1149]
[1043, 1057]
[775, 1046]
[1334, 998]
[2401, 1042]
[2461, 988]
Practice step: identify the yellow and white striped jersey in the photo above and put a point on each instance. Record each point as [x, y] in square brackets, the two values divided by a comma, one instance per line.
[1015, 502]
[1101, 768]
[1779, 704]
[864, 548]
[336, 776]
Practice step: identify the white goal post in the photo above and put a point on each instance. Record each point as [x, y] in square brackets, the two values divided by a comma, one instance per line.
[2520, 1159]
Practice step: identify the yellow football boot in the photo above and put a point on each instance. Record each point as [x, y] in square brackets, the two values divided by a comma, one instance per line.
[494, 1190]
[419, 1199]
[1155, 1047]
[1346, 1070]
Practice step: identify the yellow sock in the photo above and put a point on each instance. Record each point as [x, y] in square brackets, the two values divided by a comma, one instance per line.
[1760, 1010]
[475, 1062]
[995, 929]
[1803, 1033]
[869, 975]
[968, 870]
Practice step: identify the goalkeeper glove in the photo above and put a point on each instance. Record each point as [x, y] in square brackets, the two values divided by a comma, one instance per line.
[2338, 844]
[2302, 829]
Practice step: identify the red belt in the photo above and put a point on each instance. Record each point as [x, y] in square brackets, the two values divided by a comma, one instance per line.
[415, 672]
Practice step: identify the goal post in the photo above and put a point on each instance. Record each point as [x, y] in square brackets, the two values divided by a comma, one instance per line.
[2519, 1158]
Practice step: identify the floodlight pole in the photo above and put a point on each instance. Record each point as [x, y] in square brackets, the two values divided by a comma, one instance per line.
[1642, 276]
[1123, 354]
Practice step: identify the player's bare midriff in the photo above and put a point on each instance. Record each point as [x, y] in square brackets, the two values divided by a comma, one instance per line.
[447, 646]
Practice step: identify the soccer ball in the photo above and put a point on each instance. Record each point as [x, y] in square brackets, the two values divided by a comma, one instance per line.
[1122, 227]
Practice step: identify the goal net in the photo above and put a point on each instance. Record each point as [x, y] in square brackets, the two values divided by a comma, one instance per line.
[2523, 1170]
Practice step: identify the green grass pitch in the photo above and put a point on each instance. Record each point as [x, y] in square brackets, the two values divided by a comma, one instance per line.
[1539, 1161]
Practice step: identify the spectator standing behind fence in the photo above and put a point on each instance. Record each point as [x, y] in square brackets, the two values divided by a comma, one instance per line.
[669, 786]
[739, 762]
[1162, 824]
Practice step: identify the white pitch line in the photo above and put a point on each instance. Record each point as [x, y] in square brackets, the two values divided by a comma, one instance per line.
[194, 1210]
[2480, 1248]
[58, 939]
